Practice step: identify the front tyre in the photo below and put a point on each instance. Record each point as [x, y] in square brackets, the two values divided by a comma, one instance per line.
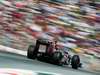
[75, 62]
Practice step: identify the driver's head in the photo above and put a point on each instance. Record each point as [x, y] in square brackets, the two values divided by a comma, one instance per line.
[55, 41]
[50, 42]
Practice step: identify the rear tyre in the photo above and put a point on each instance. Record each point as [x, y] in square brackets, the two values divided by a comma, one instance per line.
[31, 54]
[75, 62]
[57, 56]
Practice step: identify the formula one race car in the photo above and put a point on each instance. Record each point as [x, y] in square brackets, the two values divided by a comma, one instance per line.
[45, 52]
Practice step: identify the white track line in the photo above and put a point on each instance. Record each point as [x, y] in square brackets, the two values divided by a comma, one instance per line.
[12, 50]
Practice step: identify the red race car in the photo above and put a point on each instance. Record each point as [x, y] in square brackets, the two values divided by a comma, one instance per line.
[46, 50]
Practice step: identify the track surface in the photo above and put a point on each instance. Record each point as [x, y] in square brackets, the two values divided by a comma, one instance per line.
[8, 60]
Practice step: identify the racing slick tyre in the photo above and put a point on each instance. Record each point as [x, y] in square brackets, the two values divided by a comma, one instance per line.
[57, 56]
[31, 54]
[75, 62]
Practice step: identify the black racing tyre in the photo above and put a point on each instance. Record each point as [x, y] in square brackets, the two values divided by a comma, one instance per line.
[57, 56]
[31, 53]
[75, 62]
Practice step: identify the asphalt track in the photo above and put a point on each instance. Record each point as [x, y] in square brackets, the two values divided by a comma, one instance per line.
[9, 60]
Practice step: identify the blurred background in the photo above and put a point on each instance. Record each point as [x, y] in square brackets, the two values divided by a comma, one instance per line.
[74, 23]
